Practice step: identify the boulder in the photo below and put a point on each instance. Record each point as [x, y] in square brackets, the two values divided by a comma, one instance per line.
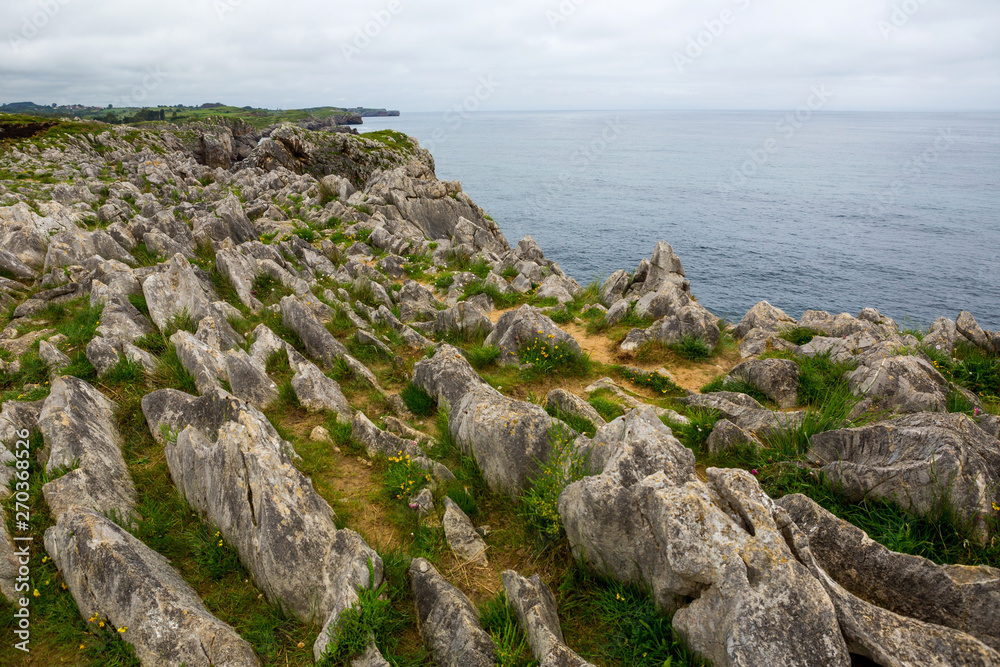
[115, 577]
[317, 392]
[248, 381]
[563, 401]
[535, 607]
[778, 379]
[446, 376]
[726, 435]
[664, 268]
[524, 326]
[176, 290]
[319, 343]
[899, 384]
[461, 535]
[987, 341]
[648, 520]
[12, 264]
[53, 358]
[557, 287]
[614, 288]
[241, 479]
[745, 412]
[416, 302]
[449, 623]
[465, 319]
[955, 596]
[205, 364]
[78, 425]
[382, 443]
[766, 317]
[917, 461]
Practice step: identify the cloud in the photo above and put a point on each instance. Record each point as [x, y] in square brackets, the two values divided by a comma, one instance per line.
[559, 54]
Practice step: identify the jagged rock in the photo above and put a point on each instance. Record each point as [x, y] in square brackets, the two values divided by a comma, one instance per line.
[317, 392]
[116, 577]
[78, 425]
[646, 519]
[614, 288]
[617, 312]
[901, 384]
[215, 331]
[422, 502]
[778, 379]
[18, 346]
[239, 227]
[15, 417]
[319, 342]
[51, 355]
[685, 318]
[12, 264]
[461, 535]
[175, 290]
[265, 343]
[535, 607]
[727, 435]
[464, 318]
[766, 317]
[632, 402]
[207, 365]
[745, 412]
[416, 302]
[557, 287]
[942, 335]
[571, 404]
[241, 479]
[248, 380]
[915, 460]
[987, 341]
[75, 247]
[884, 637]
[526, 325]
[163, 246]
[381, 443]
[449, 623]
[120, 322]
[446, 376]
[955, 596]
[664, 268]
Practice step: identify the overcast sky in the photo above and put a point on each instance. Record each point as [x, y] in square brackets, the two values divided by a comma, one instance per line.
[516, 54]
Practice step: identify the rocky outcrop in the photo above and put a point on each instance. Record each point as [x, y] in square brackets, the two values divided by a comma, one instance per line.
[954, 596]
[115, 577]
[917, 461]
[176, 290]
[449, 623]
[461, 535]
[646, 519]
[78, 425]
[562, 401]
[900, 384]
[778, 379]
[536, 612]
[525, 326]
[745, 412]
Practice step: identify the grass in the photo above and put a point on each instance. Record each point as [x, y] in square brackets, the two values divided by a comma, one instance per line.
[969, 367]
[660, 384]
[539, 504]
[557, 358]
[720, 383]
[799, 335]
[500, 300]
[501, 623]
[482, 356]
[606, 407]
[418, 401]
[691, 348]
[575, 422]
[694, 434]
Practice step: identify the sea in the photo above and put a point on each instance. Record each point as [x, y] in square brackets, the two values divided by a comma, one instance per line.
[829, 211]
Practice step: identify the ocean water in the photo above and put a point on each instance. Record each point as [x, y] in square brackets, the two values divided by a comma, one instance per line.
[838, 211]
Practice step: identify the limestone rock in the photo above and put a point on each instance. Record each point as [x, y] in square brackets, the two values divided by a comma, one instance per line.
[317, 392]
[248, 380]
[901, 384]
[778, 379]
[319, 342]
[78, 425]
[449, 623]
[614, 287]
[727, 435]
[518, 328]
[175, 290]
[745, 412]
[206, 364]
[381, 443]
[536, 612]
[915, 460]
[461, 535]
[446, 376]
[114, 576]
[571, 404]
[766, 317]
[955, 596]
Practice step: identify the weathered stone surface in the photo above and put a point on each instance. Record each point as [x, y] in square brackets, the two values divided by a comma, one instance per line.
[461, 535]
[317, 392]
[766, 317]
[175, 290]
[617, 312]
[955, 596]
[215, 331]
[614, 287]
[446, 376]
[54, 359]
[101, 354]
[416, 302]
[449, 623]
[900, 384]
[381, 443]
[687, 321]
[727, 435]
[535, 607]
[75, 247]
[422, 502]
[632, 402]
[518, 328]
[248, 380]
[12, 264]
[915, 460]
[647, 519]
[745, 412]
[15, 418]
[463, 318]
[114, 576]
[557, 287]
[571, 404]
[778, 379]
[235, 219]
[78, 425]
[206, 364]
[884, 637]
[664, 268]
[241, 479]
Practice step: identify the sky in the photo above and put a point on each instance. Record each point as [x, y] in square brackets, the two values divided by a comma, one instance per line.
[435, 55]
